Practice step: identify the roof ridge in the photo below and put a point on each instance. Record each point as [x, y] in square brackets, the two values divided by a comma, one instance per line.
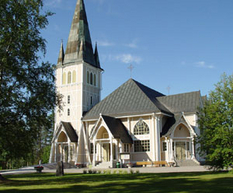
[181, 94]
[136, 83]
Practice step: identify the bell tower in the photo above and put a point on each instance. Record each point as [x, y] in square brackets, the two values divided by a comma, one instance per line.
[78, 72]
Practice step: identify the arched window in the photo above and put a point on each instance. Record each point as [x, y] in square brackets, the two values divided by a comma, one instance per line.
[64, 78]
[88, 77]
[91, 81]
[94, 79]
[141, 128]
[69, 77]
[74, 77]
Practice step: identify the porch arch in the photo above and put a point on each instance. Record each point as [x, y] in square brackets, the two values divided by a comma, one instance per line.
[182, 131]
[102, 133]
[62, 137]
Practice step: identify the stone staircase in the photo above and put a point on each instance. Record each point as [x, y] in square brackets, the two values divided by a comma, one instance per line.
[103, 165]
[189, 162]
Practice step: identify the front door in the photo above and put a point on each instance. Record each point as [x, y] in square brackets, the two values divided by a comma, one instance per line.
[180, 151]
[106, 152]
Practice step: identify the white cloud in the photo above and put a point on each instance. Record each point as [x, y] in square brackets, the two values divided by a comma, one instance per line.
[105, 43]
[52, 2]
[133, 44]
[202, 64]
[128, 58]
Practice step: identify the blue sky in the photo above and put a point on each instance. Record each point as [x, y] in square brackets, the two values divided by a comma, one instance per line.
[184, 45]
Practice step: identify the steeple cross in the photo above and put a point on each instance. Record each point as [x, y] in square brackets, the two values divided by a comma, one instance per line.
[131, 67]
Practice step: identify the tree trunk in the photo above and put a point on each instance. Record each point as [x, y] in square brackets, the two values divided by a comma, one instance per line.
[60, 169]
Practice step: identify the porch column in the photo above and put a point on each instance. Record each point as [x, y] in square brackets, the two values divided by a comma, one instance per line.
[69, 152]
[117, 153]
[153, 138]
[193, 149]
[94, 154]
[51, 153]
[157, 141]
[111, 149]
[171, 153]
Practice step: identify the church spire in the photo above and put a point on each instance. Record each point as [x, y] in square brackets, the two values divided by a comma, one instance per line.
[61, 55]
[96, 56]
[79, 45]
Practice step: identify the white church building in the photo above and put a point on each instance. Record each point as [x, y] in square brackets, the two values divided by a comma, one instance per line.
[132, 124]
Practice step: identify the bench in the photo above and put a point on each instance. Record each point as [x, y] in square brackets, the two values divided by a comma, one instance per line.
[143, 163]
[155, 163]
[160, 163]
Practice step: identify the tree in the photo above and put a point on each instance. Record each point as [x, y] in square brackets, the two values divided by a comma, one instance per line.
[216, 125]
[27, 94]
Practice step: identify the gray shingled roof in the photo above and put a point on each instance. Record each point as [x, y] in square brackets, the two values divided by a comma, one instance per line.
[70, 131]
[117, 129]
[186, 102]
[130, 98]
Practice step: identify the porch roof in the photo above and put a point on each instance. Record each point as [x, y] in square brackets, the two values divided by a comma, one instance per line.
[117, 129]
[70, 131]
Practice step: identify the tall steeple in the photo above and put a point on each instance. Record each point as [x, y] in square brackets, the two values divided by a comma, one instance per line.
[96, 56]
[79, 45]
[61, 55]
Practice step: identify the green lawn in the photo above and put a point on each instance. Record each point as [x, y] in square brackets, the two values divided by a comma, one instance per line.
[173, 182]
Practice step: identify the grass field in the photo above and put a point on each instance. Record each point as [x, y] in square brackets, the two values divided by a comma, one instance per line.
[172, 182]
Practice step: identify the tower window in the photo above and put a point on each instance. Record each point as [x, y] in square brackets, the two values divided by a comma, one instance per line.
[91, 79]
[68, 112]
[74, 77]
[69, 77]
[88, 76]
[68, 99]
[94, 79]
[64, 78]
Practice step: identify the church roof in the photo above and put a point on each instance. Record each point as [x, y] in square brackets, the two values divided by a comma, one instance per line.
[79, 45]
[70, 131]
[185, 102]
[129, 99]
[117, 129]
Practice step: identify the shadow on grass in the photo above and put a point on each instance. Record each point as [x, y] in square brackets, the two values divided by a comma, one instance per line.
[98, 183]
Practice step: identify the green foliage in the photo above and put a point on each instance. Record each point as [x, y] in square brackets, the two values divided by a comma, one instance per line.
[27, 92]
[216, 125]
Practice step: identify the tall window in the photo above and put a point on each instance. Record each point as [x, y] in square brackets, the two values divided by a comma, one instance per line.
[91, 79]
[74, 77]
[164, 146]
[68, 112]
[141, 128]
[94, 79]
[88, 77]
[68, 99]
[141, 146]
[69, 77]
[64, 78]
[126, 148]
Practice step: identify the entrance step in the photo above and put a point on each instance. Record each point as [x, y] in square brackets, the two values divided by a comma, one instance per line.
[189, 162]
[103, 165]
